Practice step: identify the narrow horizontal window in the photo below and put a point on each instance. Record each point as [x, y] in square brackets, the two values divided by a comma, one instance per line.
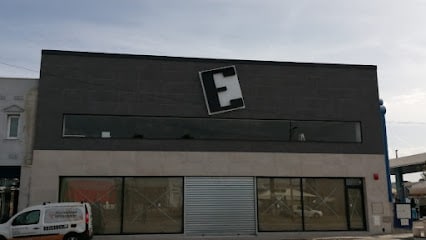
[325, 131]
[95, 126]
[175, 128]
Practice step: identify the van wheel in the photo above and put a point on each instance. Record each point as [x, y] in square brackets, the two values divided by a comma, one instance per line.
[72, 236]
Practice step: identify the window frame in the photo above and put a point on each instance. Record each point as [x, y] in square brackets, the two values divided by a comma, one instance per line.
[346, 186]
[10, 117]
[188, 128]
[62, 183]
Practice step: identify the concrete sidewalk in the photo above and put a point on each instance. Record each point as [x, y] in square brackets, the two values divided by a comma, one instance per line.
[408, 236]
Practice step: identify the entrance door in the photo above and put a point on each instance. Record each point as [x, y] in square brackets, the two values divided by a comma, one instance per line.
[220, 206]
[355, 208]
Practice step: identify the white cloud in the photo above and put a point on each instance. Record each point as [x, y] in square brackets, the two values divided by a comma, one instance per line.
[416, 96]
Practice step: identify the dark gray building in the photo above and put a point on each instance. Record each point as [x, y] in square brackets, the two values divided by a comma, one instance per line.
[207, 147]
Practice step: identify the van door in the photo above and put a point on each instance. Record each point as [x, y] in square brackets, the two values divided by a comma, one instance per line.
[27, 224]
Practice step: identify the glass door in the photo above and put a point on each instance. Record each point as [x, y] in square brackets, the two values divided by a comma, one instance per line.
[355, 208]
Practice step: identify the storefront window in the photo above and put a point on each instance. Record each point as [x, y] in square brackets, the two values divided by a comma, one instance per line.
[152, 205]
[103, 194]
[278, 199]
[324, 204]
[143, 205]
[310, 204]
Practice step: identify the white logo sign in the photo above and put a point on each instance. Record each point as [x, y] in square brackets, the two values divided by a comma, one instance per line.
[222, 90]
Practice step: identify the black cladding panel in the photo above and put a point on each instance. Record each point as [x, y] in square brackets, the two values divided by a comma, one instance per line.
[140, 85]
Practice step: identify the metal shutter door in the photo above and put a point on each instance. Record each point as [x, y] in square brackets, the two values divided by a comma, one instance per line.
[220, 206]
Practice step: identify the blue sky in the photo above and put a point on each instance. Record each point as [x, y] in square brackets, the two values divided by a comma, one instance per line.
[386, 33]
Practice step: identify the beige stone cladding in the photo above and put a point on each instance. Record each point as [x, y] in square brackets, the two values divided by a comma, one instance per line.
[50, 165]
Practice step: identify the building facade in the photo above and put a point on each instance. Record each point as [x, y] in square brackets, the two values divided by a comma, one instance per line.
[211, 147]
[17, 104]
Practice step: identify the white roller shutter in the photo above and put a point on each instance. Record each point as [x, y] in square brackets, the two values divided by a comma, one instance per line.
[220, 206]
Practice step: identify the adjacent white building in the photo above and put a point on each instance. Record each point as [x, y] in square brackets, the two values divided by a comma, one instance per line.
[17, 116]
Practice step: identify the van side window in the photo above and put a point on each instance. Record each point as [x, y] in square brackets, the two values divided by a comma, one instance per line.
[27, 218]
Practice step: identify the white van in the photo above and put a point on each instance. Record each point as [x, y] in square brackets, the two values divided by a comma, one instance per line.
[50, 221]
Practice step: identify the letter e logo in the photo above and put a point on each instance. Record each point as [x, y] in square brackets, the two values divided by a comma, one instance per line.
[222, 90]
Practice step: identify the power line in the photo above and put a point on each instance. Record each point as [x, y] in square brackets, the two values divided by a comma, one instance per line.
[18, 67]
[406, 122]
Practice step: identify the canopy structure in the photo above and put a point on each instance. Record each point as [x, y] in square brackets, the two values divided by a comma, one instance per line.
[408, 164]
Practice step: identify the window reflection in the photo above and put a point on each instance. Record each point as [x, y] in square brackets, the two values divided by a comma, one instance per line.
[325, 131]
[355, 203]
[278, 199]
[356, 208]
[27, 218]
[103, 194]
[152, 205]
[324, 204]
[94, 126]
[175, 128]
[310, 204]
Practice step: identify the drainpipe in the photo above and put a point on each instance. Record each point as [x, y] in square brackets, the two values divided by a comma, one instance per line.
[385, 146]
